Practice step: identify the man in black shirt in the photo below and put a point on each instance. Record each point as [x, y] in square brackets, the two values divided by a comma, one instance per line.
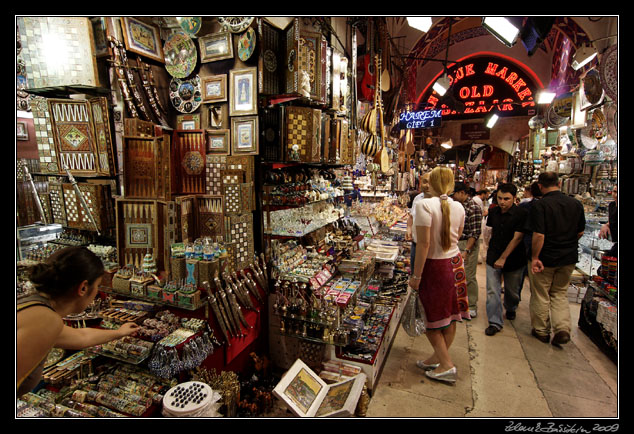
[557, 222]
[506, 257]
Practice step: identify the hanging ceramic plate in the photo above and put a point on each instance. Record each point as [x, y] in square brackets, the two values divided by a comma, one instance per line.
[553, 119]
[609, 72]
[235, 24]
[185, 95]
[592, 88]
[190, 25]
[599, 126]
[611, 118]
[180, 55]
[246, 44]
[585, 137]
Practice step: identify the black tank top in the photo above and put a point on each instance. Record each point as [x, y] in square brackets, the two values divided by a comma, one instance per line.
[33, 378]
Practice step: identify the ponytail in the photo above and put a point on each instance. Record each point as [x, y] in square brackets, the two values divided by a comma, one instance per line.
[442, 182]
[64, 270]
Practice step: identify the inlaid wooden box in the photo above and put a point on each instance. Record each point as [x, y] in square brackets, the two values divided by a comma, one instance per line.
[188, 161]
[303, 129]
[199, 216]
[142, 227]
[82, 137]
[147, 167]
[97, 198]
[306, 51]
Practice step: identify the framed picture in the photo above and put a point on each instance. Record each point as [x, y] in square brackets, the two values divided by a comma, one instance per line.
[216, 115]
[99, 32]
[214, 88]
[307, 395]
[242, 83]
[21, 130]
[218, 142]
[142, 38]
[188, 122]
[244, 135]
[217, 46]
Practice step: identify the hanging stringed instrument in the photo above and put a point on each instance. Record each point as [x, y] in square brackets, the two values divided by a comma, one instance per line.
[368, 82]
[371, 144]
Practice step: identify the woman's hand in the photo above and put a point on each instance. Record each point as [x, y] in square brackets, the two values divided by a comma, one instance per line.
[129, 328]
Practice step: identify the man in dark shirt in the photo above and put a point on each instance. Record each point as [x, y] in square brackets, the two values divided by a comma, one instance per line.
[557, 222]
[506, 257]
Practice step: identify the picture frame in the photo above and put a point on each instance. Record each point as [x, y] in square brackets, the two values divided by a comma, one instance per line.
[142, 38]
[188, 121]
[216, 46]
[214, 88]
[308, 395]
[243, 91]
[215, 115]
[21, 130]
[244, 135]
[218, 142]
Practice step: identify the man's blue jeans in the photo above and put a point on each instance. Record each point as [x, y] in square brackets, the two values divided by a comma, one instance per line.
[512, 281]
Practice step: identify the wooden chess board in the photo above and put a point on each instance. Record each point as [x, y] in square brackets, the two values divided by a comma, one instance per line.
[239, 230]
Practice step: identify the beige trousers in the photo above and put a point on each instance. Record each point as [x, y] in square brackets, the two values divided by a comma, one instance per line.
[470, 268]
[549, 306]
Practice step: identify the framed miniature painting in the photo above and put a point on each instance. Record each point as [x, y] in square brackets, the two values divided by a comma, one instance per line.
[243, 89]
[218, 142]
[307, 395]
[217, 46]
[21, 131]
[142, 38]
[214, 88]
[244, 135]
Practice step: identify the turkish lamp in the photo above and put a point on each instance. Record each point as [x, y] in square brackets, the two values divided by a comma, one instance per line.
[545, 97]
[448, 144]
[582, 56]
[502, 28]
[420, 23]
[442, 85]
[492, 120]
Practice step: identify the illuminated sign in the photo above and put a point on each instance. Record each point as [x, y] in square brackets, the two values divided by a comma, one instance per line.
[420, 119]
[482, 84]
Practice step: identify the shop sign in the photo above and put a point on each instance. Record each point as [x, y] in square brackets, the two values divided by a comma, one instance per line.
[420, 119]
[482, 84]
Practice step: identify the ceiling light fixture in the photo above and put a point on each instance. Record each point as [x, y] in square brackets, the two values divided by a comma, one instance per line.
[421, 23]
[442, 84]
[545, 97]
[492, 120]
[582, 56]
[502, 28]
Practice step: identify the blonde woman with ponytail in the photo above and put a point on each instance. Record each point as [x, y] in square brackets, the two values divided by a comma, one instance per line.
[438, 272]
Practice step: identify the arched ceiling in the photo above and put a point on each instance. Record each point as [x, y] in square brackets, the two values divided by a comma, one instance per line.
[550, 62]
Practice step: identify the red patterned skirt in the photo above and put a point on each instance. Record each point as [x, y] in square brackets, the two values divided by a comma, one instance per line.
[443, 292]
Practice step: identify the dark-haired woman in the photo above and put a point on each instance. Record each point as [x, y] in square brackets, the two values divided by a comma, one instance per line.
[66, 283]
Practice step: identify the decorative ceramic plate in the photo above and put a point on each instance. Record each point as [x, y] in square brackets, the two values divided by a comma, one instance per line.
[190, 25]
[186, 95]
[553, 119]
[592, 88]
[246, 44]
[236, 24]
[586, 138]
[599, 126]
[611, 114]
[609, 69]
[180, 55]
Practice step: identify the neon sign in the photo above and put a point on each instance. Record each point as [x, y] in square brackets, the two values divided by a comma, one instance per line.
[482, 84]
[421, 119]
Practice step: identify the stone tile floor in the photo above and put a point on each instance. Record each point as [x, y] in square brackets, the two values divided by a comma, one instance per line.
[509, 375]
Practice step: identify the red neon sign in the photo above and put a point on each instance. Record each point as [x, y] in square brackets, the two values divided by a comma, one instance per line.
[484, 83]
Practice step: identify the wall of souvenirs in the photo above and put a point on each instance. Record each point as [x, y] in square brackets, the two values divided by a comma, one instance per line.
[246, 190]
